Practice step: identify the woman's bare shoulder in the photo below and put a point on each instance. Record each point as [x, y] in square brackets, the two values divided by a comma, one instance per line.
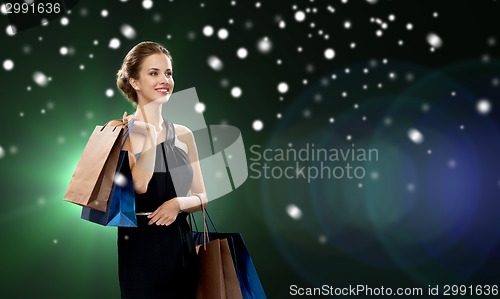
[183, 133]
[182, 129]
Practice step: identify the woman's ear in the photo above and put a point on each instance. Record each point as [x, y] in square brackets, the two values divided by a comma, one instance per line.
[134, 83]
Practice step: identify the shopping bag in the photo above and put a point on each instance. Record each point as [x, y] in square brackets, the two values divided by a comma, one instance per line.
[92, 179]
[217, 278]
[121, 204]
[249, 282]
[248, 279]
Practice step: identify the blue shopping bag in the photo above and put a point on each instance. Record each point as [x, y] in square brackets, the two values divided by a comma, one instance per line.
[121, 203]
[245, 270]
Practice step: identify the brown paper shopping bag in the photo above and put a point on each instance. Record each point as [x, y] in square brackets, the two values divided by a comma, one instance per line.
[217, 278]
[92, 180]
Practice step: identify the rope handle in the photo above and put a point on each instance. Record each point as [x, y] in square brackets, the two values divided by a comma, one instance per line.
[127, 133]
[206, 230]
[121, 123]
[206, 237]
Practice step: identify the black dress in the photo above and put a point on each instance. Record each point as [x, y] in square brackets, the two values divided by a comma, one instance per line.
[157, 261]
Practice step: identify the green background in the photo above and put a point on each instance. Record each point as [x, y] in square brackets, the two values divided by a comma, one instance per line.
[376, 234]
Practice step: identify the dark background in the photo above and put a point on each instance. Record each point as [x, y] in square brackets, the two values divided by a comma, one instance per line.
[424, 214]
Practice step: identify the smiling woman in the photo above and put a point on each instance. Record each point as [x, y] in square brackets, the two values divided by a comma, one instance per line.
[157, 259]
[131, 67]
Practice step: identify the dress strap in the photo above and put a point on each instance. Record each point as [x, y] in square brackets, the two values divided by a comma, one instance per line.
[162, 145]
[170, 139]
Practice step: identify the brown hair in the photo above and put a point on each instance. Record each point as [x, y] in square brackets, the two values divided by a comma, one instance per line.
[131, 66]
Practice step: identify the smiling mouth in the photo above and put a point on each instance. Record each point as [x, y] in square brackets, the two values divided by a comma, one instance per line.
[163, 90]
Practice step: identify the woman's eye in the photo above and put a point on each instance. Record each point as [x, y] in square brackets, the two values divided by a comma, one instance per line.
[154, 73]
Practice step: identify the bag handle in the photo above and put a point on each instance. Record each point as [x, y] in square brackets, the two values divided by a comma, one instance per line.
[121, 123]
[206, 230]
[126, 133]
[204, 211]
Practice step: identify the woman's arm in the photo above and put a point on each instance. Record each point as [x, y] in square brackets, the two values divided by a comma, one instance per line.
[142, 139]
[192, 203]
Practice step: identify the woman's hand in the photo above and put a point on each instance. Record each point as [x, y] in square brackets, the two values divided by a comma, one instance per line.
[126, 119]
[166, 213]
[142, 135]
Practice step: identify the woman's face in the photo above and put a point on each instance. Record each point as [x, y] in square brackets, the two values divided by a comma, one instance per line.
[155, 80]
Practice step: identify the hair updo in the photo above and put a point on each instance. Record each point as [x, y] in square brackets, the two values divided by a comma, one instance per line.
[132, 64]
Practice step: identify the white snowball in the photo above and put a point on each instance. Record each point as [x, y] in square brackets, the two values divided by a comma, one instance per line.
[215, 63]
[11, 30]
[40, 79]
[294, 212]
[2, 152]
[282, 87]
[208, 30]
[63, 51]
[415, 136]
[236, 92]
[483, 106]
[128, 31]
[64, 21]
[109, 92]
[120, 179]
[264, 45]
[300, 16]
[104, 13]
[242, 53]
[222, 33]
[199, 107]
[114, 43]
[147, 4]
[8, 64]
[434, 40]
[329, 53]
[257, 125]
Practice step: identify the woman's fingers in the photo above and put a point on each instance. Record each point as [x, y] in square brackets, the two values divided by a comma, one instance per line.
[162, 215]
[158, 220]
[128, 118]
[161, 220]
[154, 217]
[154, 220]
[164, 221]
